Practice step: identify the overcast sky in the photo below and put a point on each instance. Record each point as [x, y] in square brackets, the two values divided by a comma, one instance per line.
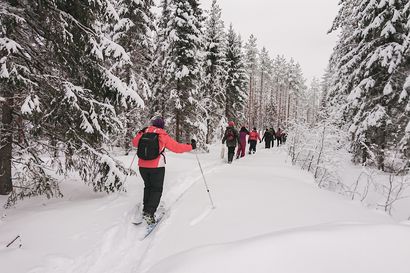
[295, 28]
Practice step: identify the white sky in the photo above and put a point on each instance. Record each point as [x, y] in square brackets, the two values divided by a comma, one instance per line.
[295, 28]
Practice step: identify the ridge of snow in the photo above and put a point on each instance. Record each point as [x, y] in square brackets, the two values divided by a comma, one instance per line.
[336, 248]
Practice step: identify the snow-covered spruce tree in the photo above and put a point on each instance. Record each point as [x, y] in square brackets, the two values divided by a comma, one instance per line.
[60, 93]
[265, 65]
[158, 103]
[313, 100]
[236, 81]
[214, 73]
[296, 86]
[339, 66]
[325, 84]
[182, 71]
[279, 87]
[251, 66]
[132, 28]
[372, 75]
[405, 142]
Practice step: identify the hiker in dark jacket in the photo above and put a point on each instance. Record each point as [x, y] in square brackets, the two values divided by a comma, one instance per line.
[279, 136]
[267, 136]
[272, 131]
[284, 137]
[231, 137]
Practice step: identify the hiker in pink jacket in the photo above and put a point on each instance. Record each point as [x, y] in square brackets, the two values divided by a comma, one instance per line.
[242, 140]
[153, 171]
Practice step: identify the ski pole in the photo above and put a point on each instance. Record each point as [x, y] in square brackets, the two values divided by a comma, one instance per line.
[206, 185]
[132, 163]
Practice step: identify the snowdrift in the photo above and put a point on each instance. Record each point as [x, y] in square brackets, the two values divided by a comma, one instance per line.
[341, 248]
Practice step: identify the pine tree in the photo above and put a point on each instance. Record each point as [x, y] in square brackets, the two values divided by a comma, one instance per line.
[158, 103]
[279, 84]
[181, 66]
[265, 66]
[313, 96]
[133, 30]
[371, 64]
[214, 74]
[296, 83]
[60, 94]
[251, 66]
[236, 81]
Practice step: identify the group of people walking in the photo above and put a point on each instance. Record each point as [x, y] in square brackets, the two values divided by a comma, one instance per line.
[152, 141]
[234, 139]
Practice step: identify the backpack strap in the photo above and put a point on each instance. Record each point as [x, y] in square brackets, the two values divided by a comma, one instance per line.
[163, 150]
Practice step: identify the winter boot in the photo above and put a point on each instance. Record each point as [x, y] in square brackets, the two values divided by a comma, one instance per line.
[149, 218]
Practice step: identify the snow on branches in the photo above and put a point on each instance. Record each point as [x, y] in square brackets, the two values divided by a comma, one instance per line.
[369, 67]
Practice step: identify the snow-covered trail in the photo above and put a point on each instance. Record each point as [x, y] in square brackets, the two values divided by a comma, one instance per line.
[257, 195]
[262, 204]
[86, 231]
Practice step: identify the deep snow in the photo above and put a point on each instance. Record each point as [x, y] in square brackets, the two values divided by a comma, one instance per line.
[269, 217]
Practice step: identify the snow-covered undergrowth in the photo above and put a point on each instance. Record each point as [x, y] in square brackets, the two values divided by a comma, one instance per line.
[269, 217]
[322, 150]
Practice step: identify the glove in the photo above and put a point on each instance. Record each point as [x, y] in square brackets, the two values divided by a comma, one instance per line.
[193, 144]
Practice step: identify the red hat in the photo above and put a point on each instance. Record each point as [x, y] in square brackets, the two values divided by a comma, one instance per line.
[231, 124]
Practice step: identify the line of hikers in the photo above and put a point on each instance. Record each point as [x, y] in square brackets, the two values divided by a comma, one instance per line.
[234, 138]
[152, 141]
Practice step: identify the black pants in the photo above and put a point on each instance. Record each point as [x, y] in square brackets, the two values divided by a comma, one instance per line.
[252, 146]
[154, 181]
[279, 140]
[231, 153]
[267, 143]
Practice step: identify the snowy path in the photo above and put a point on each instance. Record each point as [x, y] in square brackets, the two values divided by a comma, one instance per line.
[267, 213]
[256, 196]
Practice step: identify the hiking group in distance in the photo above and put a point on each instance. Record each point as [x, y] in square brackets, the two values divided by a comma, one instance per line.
[233, 138]
[153, 141]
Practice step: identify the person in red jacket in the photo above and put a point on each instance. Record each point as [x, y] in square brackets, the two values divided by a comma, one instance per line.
[153, 171]
[253, 140]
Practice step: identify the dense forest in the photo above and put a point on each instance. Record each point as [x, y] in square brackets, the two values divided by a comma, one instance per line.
[78, 77]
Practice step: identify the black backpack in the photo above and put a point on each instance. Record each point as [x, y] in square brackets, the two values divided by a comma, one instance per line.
[230, 135]
[148, 146]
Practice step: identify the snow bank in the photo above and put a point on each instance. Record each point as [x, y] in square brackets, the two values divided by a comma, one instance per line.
[333, 248]
[263, 206]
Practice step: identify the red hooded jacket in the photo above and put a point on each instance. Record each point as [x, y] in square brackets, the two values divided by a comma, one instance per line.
[254, 136]
[165, 142]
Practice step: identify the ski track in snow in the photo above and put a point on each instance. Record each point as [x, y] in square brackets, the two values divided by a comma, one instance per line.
[120, 248]
[258, 198]
[201, 217]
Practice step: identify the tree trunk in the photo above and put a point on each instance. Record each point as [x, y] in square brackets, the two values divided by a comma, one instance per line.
[208, 131]
[177, 124]
[6, 139]
[250, 102]
[288, 110]
[280, 107]
[261, 113]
